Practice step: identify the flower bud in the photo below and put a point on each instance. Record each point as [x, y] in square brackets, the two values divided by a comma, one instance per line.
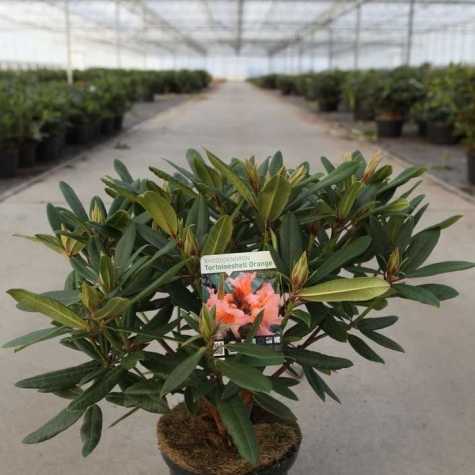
[397, 206]
[70, 245]
[97, 214]
[90, 296]
[372, 166]
[190, 245]
[207, 323]
[394, 262]
[298, 175]
[252, 174]
[299, 273]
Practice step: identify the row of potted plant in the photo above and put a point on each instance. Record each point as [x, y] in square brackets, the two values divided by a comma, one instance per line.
[438, 100]
[39, 113]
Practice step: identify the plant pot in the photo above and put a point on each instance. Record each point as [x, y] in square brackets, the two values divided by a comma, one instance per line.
[148, 97]
[422, 128]
[107, 126]
[49, 148]
[471, 165]
[441, 134]
[177, 427]
[8, 162]
[363, 114]
[79, 134]
[389, 127]
[118, 122]
[328, 105]
[27, 154]
[96, 129]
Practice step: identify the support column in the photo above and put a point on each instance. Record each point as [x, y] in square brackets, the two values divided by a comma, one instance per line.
[410, 32]
[69, 55]
[118, 52]
[356, 59]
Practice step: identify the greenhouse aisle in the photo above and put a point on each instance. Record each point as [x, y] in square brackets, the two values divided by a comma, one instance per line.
[414, 415]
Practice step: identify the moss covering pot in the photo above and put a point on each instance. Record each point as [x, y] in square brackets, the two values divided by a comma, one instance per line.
[8, 161]
[189, 446]
[441, 133]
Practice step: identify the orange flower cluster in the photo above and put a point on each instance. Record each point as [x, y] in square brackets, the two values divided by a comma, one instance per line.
[242, 305]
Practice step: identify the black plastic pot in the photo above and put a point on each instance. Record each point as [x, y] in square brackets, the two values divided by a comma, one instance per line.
[107, 126]
[441, 133]
[27, 154]
[49, 148]
[148, 97]
[471, 165]
[118, 122]
[281, 467]
[328, 105]
[422, 128]
[79, 134]
[8, 162]
[363, 114]
[389, 127]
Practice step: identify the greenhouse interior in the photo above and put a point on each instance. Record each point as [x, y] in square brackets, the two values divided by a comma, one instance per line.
[231, 234]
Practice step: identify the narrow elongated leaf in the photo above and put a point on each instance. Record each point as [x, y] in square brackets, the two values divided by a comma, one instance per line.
[181, 373]
[244, 376]
[290, 240]
[35, 337]
[241, 187]
[274, 406]
[441, 268]
[273, 198]
[198, 217]
[73, 201]
[276, 163]
[219, 236]
[442, 292]
[258, 351]
[382, 340]
[419, 294]
[420, 249]
[319, 385]
[377, 323]
[49, 307]
[60, 379]
[363, 349]
[91, 429]
[317, 360]
[344, 290]
[122, 171]
[282, 386]
[99, 389]
[125, 246]
[114, 307]
[62, 421]
[337, 259]
[161, 211]
[235, 417]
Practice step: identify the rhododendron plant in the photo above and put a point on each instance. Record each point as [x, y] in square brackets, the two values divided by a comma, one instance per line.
[345, 239]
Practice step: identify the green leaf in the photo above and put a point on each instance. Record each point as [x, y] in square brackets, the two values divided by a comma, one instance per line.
[235, 417]
[244, 376]
[382, 340]
[402, 178]
[62, 421]
[114, 307]
[219, 236]
[60, 379]
[99, 389]
[49, 307]
[122, 171]
[290, 240]
[341, 257]
[363, 349]
[161, 211]
[442, 292]
[91, 429]
[258, 351]
[319, 385]
[276, 163]
[418, 294]
[181, 373]
[241, 187]
[420, 249]
[302, 316]
[35, 337]
[198, 216]
[441, 268]
[73, 201]
[274, 406]
[377, 323]
[124, 247]
[281, 385]
[317, 360]
[345, 290]
[273, 198]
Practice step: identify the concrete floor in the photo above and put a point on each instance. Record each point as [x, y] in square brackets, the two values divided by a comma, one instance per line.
[413, 416]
